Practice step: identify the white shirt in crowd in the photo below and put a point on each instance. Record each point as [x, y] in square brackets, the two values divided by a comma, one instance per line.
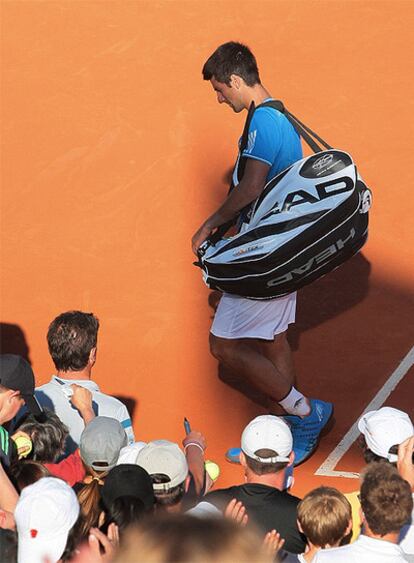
[407, 537]
[55, 396]
[363, 550]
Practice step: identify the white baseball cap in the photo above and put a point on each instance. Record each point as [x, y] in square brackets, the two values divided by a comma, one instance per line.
[45, 513]
[164, 457]
[267, 432]
[129, 453]
[385, 428]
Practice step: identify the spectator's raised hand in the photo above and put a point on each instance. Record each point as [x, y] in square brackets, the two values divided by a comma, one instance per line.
[100, 548]
[194, 446]
[195, 438]
[405, 460]
[273, 543]
[236, 511]
[81, 399]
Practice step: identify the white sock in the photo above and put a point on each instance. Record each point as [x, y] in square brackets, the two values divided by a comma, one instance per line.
[295, 403]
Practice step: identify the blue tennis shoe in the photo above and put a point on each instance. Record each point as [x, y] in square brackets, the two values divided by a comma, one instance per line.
[306, 431]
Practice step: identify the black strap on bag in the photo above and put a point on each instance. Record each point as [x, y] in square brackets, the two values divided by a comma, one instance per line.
[301, 129]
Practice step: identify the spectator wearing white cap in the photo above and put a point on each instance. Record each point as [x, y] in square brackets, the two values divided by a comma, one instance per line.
[167, 466]
[266, 456]
[100, 446]
[45, 514]
[382, 432]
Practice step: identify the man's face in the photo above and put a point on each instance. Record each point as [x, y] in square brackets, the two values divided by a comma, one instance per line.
[227, 95]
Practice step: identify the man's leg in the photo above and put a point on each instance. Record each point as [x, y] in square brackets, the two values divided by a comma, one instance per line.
[249, 338]
[246, 361]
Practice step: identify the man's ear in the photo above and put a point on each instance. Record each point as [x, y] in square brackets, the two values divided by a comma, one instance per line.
[291, 458]
[299, 526]
[349, 527]
[243, 462]
[362, 516]
[11, 393]
[236, 81]
[92, 356]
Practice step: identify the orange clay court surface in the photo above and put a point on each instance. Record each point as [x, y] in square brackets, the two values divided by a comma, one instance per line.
[114, 151]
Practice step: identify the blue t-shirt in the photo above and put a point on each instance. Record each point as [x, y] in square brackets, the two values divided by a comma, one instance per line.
[272, 139]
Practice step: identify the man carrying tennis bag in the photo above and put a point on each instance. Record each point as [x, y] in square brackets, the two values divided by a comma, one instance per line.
[298, 219]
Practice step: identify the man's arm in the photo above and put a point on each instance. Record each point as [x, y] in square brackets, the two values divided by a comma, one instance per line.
[82, 401]
[194, 445]
[250, 187]
[8, 494]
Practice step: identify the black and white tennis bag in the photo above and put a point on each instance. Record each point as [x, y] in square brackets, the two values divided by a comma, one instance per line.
[308, 220]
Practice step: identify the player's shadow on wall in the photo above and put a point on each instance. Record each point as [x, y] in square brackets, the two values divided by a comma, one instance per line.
[130, 403]
[318, 302]
[330, 296]
[13, 341]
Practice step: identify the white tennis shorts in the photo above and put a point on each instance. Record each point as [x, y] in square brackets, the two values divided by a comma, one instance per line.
[238, 317]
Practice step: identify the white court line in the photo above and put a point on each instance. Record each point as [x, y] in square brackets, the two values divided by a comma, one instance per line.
[328, 466]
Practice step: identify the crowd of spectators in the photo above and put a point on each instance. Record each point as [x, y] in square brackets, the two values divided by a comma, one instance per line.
[76, 486]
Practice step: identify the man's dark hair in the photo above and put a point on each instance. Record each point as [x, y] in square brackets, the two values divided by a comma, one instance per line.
[48, 437]
[8, 545]
[261, 468]
[232, 58]
[27, 472]
[386, 499]
[71, 337]
[370, 456]
[172, 496]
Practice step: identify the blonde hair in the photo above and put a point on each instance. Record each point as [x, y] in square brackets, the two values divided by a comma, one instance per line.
[186, 539]
[89, 499]
[324, 516]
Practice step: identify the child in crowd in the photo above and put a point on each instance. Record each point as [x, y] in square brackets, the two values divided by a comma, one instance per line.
[324, 516]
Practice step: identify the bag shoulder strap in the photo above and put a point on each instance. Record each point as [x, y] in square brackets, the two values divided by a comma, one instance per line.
[302, 130]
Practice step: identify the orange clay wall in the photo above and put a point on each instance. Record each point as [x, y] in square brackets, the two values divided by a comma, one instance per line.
[114, 150]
